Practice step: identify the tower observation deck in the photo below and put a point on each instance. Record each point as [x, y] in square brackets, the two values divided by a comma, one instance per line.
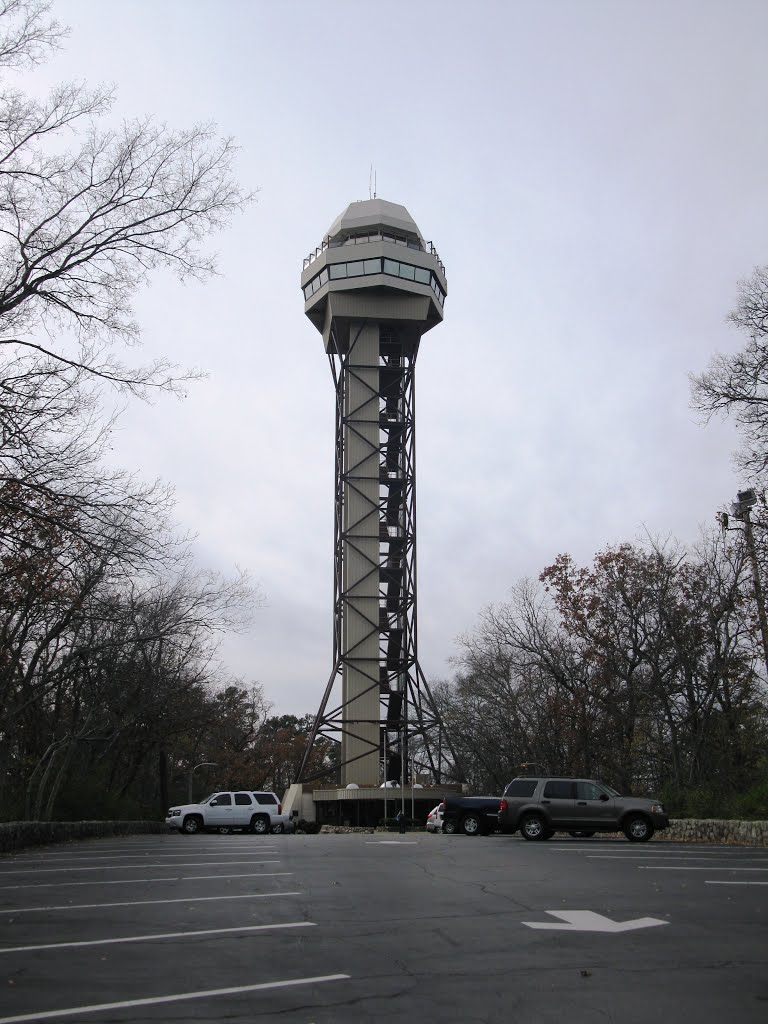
[372, 289]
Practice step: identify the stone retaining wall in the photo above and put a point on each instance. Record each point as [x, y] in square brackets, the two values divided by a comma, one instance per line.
[716, 830]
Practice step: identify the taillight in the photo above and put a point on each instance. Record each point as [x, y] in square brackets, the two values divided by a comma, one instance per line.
[503, 806]
[279, 808]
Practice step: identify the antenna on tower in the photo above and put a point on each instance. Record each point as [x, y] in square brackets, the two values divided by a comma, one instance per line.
[371, 183]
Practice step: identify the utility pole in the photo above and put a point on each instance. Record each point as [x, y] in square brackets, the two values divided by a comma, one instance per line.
[740, 509]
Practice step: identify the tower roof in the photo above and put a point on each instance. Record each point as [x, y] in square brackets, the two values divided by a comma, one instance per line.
[370, 213]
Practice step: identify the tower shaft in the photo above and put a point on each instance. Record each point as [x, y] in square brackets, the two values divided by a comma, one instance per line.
[360, 585]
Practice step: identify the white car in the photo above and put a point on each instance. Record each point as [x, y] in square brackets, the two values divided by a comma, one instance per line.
[229, 812]
[435, 819]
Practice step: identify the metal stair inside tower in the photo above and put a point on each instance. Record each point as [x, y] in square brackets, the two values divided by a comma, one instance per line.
[392, 583]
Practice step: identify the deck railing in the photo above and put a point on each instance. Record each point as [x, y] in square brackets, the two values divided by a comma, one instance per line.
[374, 236]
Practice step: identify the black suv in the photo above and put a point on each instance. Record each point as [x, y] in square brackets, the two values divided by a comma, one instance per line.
[539, 807]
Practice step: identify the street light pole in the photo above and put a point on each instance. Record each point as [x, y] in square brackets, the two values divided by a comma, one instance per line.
[413, 808]
[403, 767]
[192, 771]
[740, 510]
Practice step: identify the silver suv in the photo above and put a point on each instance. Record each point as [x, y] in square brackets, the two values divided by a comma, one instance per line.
[539, 807]
[228, 812]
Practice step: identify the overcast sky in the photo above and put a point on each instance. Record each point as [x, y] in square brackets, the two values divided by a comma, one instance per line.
[593, 175]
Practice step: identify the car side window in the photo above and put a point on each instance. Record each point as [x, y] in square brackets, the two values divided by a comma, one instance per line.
[243, 799]
[588, 791]
[521, 787]
[265, 798]
[558, 789]
[222, 800]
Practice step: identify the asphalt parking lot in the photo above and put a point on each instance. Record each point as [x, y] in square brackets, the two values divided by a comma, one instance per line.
[350, 928]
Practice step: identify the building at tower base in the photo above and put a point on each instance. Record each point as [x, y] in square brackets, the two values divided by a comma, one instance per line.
[362, 807]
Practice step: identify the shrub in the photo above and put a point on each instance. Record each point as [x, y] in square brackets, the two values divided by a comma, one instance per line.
[311, 828]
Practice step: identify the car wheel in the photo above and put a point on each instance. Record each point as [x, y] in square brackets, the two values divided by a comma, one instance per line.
[581, 835]
[471, 824]
[533, 828]
[259, 826]
[278, 828]
[449, 827]
[638, 829]
[192, 824]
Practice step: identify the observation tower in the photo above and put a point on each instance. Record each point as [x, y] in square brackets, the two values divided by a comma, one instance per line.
[372, 289]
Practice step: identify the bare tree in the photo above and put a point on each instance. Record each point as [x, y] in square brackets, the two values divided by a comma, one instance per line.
[81, 229]
[27, 33]
[639, 669]
[106, 628]
[101, 668]
[87, 212]
[737, 385]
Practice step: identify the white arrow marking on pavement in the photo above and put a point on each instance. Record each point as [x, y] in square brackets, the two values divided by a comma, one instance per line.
[588, 921]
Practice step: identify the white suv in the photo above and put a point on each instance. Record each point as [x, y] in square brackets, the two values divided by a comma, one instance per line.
[227, 811]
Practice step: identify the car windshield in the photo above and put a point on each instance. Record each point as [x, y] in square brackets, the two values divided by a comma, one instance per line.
[610, 789]
[208, 798]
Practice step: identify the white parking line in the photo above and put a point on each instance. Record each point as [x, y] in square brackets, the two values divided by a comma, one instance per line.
[573, 847]
[132, 881]
[164, 935]
[709, 867]
[171, 842]
[654, 849]
[708, 882]
[132, 867]
[660, 856]
[180, 997]
[146, 903]
[134, 856]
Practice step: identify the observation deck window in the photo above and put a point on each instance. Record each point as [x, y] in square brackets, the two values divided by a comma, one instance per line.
[362, 268]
